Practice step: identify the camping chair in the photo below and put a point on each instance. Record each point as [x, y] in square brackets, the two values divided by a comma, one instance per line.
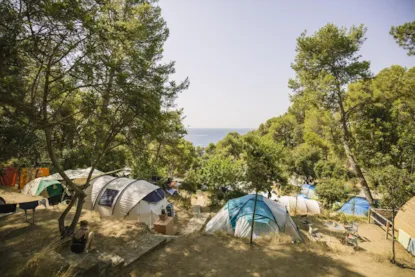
[313, 232]
[304, 222]
[352, 240]
[353, 229]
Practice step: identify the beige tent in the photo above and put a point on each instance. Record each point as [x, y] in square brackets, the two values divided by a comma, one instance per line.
[126, 199]
[405, 218]
[300, 205]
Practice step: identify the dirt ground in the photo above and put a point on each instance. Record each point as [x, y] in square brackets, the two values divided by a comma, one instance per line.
[373, 240]
[20, 241]
[228, 256]
[206, 255]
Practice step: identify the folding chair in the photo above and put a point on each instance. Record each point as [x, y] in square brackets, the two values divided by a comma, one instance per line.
[313, 232]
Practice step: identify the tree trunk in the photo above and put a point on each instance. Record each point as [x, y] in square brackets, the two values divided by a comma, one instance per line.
[77, 215]
[253, 217]
[393, 236]
[350, 157]
[61, 221]
[357, 170]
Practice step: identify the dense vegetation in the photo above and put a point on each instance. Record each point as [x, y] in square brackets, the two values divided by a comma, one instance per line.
[83, 83]
[344, 127]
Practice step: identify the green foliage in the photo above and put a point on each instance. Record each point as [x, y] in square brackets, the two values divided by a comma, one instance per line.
[395, 186]
[329, 169]
[326, 63]
[405, 36]
[94, 83]
[331, 191]
[383, 121]
[230, 146]
[304, 158]
[191, 181]
[262, 159]
[221, 172]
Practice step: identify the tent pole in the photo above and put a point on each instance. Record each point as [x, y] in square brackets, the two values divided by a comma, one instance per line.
[253, 217]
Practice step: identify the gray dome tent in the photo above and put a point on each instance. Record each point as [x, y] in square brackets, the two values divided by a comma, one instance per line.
[125, 198]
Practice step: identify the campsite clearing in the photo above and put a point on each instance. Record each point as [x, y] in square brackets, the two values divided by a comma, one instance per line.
[210, 255]
[20, 242]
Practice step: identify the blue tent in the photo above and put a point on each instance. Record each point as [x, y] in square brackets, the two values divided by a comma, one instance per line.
[355, 206]
[270, 216]
[308, 190]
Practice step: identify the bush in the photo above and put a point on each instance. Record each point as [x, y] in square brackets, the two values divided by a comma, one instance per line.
[331, 191]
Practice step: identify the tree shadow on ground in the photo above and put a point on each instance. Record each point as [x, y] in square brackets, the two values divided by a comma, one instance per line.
[20, 241]
[228, 256]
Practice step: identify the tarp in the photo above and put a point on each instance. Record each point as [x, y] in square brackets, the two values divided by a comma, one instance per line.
[355, 206]
[29, 174]
[308, 190]
[236, 218]
[9, 176]
[76, 174]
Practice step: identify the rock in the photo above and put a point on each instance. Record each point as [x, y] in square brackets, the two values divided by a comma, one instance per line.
[114, 259]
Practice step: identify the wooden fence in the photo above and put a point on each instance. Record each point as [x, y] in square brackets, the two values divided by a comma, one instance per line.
[375, 215]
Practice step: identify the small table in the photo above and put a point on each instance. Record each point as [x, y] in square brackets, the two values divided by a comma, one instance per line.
[165, 226]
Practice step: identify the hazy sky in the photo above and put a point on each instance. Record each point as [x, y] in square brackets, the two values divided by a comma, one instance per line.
[237, 53]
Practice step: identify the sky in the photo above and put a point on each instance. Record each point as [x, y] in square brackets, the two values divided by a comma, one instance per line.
[237, 53]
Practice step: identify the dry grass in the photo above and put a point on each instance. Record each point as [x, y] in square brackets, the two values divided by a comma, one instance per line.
[274, 238]
[341, 217]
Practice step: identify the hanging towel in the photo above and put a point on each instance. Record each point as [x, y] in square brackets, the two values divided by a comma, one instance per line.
[403, 238]
[411, 246]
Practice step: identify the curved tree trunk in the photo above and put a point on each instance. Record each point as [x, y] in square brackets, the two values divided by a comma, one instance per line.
[350, 157]
[358, 171]
[61, 220]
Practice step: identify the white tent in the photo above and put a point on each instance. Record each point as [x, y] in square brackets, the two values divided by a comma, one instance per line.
[43, 186]
[300, 205]
[270, 217]
[76, 174]
[125, 198]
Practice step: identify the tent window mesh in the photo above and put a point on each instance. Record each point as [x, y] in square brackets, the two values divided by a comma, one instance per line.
[108, 197]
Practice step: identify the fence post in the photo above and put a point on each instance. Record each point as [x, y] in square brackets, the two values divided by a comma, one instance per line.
[387, 229]
[368, 215]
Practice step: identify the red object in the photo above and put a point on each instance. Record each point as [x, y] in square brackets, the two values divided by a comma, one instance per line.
[9, 176]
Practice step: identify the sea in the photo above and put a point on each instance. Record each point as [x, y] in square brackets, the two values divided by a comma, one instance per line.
[203, 136]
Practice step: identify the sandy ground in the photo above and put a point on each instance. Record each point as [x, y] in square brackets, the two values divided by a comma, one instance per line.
[372, 241]
[202, 255]
[228, 256]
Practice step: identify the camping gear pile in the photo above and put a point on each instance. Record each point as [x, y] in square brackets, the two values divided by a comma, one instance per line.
[270, 217]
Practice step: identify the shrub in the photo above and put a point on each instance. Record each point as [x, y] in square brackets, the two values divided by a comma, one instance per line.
[331, 191]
